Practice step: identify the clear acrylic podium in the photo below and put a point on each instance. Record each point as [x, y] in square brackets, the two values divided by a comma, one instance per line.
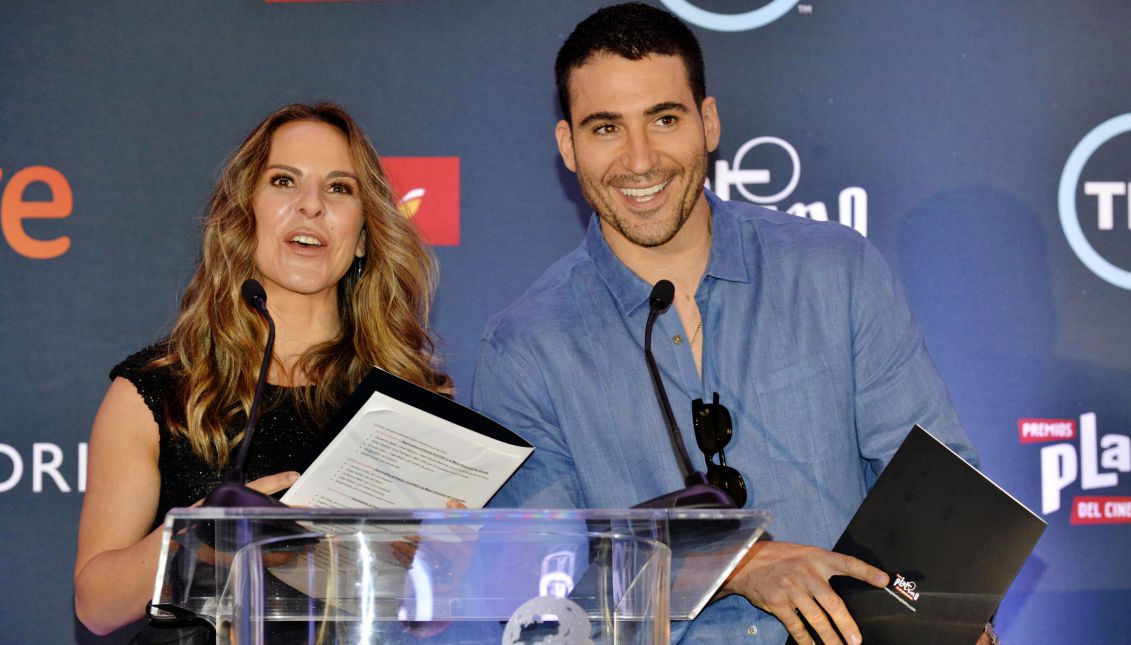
[294, 575]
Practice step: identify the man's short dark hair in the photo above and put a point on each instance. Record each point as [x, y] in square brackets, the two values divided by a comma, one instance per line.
[632, 31]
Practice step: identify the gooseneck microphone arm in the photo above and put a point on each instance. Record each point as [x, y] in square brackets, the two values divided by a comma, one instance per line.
[233, 490]
[254, 295]
[698, 493]
[659, 300]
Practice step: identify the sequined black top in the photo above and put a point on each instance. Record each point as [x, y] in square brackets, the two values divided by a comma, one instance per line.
[282, 437]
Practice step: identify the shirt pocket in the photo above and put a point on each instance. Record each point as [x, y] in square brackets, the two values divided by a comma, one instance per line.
[797, 411]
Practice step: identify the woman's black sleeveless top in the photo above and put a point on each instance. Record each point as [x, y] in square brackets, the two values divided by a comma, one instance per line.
[282, 438]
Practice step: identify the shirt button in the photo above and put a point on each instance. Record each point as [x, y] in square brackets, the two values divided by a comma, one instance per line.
[677, 339]
[751, 630]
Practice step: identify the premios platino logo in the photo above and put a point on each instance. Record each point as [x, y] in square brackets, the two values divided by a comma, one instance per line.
[1076, 455]
[903, 589]
[766, 170]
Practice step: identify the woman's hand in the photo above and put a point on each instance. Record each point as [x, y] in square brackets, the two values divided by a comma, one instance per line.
[271, 484]
[268, 485]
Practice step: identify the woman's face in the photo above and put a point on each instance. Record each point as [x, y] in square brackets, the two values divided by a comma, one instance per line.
[308, 216]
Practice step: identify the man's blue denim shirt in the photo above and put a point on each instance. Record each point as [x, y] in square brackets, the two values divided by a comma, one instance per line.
[807, 338]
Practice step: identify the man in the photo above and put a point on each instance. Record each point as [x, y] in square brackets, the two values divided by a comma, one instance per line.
[796, 325]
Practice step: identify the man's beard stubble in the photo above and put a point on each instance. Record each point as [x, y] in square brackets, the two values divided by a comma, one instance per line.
[604, 204]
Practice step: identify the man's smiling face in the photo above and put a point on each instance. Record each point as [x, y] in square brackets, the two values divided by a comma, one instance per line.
[639, 145]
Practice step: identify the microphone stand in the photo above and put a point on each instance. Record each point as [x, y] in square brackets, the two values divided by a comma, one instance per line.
[232, 490]
[697, 493]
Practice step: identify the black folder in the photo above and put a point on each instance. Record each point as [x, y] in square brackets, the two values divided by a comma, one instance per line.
[951, 540]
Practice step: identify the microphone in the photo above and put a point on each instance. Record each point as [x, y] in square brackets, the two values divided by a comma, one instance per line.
[660, 299]
[233, 490]
[697, 493]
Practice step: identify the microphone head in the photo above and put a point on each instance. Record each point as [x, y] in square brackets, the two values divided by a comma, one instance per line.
[662, 295]
[253, 293]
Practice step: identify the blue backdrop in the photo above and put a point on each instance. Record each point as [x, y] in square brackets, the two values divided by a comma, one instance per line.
[983, 147]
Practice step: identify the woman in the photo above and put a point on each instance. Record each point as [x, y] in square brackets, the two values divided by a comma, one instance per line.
[304, 207]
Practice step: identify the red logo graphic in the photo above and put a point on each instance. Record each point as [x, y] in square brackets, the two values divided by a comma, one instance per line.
[1041, 430]
[428, 188]
[1101, 510]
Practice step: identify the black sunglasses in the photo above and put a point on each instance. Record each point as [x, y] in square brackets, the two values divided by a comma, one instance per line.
[713, 430]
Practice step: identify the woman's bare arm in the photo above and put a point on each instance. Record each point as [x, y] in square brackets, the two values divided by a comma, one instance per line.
[116, 563]
[116, 560]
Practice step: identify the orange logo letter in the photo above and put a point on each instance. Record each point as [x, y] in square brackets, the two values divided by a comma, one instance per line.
[14, 210]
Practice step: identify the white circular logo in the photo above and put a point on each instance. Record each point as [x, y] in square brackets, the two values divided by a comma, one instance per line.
[744, 21]
[1066, 200]
[794, 177]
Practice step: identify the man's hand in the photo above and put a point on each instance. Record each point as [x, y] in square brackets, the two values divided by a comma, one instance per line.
[988, 636]
[790, 579]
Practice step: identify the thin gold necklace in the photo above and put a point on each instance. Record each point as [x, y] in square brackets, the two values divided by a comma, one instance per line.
[698, 328]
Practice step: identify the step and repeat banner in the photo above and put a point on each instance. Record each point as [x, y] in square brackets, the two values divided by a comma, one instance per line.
[985, 148]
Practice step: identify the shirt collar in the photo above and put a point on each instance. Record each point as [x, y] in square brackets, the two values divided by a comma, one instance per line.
[728, 248]
[727, 261]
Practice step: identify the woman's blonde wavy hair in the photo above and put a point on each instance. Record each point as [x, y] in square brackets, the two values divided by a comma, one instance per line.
[383, 301]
